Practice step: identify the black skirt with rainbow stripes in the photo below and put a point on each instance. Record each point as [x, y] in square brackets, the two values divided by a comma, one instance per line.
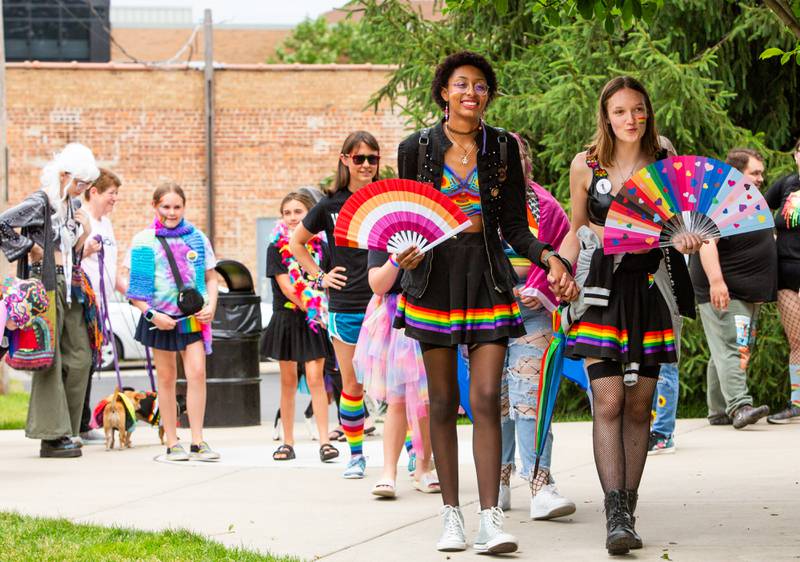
[636, 326]
[460, 304]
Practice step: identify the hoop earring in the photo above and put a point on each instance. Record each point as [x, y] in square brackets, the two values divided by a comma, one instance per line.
[446, 111]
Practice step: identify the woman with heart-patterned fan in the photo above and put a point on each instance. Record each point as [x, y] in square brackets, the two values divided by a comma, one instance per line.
[622, 322]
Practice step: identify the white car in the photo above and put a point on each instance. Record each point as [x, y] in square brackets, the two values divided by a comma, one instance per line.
[124, 319]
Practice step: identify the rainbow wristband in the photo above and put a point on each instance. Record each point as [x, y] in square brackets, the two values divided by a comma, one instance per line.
[393, 261]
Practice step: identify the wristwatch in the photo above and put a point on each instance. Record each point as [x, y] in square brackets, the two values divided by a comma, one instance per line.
[149, 314]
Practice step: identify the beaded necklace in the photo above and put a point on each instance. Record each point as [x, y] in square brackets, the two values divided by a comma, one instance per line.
[313, 300]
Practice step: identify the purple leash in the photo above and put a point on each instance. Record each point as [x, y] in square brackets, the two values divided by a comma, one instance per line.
[149, 363]
[105, 320]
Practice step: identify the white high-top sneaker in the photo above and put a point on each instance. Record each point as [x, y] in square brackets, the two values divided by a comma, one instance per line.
[452, 538]
[491, 538]
[549, 504]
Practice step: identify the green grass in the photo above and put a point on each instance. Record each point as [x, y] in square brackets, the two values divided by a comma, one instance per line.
[34, 538]
[14, 407]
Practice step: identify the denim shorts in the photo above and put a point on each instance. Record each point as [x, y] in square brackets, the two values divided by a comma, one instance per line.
[345, 326]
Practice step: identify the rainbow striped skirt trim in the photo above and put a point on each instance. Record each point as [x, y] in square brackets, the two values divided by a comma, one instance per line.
[635, 327]
[460, 305]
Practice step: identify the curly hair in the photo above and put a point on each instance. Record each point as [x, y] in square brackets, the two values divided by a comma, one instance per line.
[464, 58]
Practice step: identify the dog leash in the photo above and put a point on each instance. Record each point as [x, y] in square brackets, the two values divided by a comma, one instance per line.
[149, 364]
[105, 319]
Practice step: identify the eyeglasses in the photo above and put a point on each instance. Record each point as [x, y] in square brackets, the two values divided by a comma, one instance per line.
[80, 184]
[358, 159]
[462, 87]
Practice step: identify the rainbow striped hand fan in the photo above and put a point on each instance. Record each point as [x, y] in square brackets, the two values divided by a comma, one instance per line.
[393, 215]
[683, 194]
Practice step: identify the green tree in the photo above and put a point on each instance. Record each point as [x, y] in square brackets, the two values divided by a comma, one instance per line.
[317, 42]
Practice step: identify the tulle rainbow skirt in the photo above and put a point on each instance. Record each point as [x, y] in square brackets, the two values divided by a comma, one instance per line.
[389, 364]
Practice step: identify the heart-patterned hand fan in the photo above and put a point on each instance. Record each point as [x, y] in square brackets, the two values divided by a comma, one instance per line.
[683, 194]
[393, 215]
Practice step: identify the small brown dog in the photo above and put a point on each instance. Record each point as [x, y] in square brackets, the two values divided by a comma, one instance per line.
[116, 418]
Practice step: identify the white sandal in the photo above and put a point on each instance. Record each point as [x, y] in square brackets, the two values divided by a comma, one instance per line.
[427, 484]
[384, 488]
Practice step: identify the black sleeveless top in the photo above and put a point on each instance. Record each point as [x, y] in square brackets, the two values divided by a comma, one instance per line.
[600, 196]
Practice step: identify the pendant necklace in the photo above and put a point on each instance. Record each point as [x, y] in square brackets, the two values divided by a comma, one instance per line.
[465, 158]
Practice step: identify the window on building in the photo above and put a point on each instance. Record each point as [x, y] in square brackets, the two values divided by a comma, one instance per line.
[56, 30]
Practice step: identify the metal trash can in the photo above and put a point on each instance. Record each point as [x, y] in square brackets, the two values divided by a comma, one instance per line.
[232, 369]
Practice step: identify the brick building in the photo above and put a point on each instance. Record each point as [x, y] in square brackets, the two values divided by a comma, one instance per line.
[277, 128]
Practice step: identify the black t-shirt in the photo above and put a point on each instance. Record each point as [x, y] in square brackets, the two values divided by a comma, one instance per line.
[749, 266]
[378, 259]
[276, 267]
[355, 295]
[784, 195]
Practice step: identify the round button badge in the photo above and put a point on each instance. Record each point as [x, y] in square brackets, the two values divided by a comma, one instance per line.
[604, 186]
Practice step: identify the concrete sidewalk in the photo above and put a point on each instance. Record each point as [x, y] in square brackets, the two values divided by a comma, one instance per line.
[725, 495]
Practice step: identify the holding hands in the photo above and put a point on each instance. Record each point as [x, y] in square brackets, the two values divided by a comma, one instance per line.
[560, 280]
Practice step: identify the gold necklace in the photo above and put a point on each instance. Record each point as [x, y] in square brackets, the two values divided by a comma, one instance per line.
[465, 158]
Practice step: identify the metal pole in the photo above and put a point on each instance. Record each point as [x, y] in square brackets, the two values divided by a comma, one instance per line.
[208, 32]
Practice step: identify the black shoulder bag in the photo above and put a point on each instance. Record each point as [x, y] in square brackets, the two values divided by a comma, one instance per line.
[190, 301]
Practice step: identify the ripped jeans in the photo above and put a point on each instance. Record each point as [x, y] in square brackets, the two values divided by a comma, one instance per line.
[519, 390]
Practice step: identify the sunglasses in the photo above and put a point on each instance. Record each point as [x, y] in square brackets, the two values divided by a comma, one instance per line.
[359, 159]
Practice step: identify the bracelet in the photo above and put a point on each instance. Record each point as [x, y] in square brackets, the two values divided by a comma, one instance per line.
[393, 261]
[317, 281]
[546, 259]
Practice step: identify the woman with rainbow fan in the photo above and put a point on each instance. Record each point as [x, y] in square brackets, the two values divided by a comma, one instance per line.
[622, 324]
[296, 332]
[346, 281]
[461, 292]
[784, 196]
[172, 247]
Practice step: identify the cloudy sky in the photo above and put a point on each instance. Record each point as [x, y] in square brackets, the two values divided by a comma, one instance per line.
[276, 12]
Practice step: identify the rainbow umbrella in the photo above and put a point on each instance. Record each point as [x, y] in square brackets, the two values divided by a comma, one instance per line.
[549, 383]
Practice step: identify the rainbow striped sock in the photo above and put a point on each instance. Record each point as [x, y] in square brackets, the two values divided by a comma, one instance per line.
[794, 378]
[409, 446]
[351, 411]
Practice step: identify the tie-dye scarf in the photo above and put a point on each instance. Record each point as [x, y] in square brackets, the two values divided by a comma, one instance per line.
[160, 290]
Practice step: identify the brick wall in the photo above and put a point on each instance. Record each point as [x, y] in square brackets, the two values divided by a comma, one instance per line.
[277, 129]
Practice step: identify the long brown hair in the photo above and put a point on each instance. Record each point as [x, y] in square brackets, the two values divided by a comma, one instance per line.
[352, 141]
[602, 146]
[301, 198]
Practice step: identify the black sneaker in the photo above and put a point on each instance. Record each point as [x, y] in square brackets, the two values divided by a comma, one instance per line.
[789, 415]
[61, 448]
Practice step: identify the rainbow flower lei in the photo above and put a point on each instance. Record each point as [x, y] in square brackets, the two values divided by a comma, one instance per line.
[313, 300]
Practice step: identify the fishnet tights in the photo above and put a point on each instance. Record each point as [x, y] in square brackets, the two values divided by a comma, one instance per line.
[539, 481]
[789, 307]
[621, 430]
